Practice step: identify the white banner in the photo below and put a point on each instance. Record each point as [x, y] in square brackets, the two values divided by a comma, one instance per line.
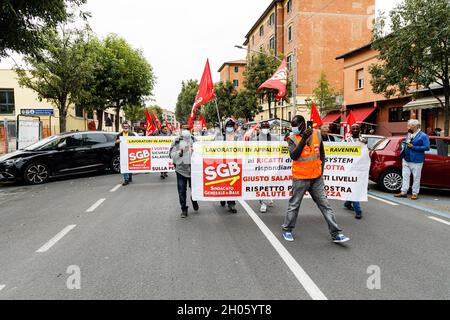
[145, 154]
[29, 133]
[263, 170]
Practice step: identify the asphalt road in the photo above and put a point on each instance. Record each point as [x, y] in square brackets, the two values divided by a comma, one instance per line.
[133, 244]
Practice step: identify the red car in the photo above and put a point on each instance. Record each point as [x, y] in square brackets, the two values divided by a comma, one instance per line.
[386, 167]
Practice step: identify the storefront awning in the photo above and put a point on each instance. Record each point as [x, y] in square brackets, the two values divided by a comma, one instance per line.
[330, 118]
[424, 103]
[362, 114]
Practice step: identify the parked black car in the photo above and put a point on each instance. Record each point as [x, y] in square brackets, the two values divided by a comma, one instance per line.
[61, 155]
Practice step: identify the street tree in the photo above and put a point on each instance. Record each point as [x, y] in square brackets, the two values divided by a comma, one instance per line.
[186, 99]
[58, 72]
[135, 113]
[225, 94]
[416, 52]
[24, 24]
[129, 78]
[325, 95]
[158, 112]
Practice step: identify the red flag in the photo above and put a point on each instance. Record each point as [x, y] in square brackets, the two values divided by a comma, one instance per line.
[278, 81]
[205, 93]
[158, 124]
[351, 120]
[315, 117]
[250, 132]
[149, 126]
[202, 122]
[169, 126]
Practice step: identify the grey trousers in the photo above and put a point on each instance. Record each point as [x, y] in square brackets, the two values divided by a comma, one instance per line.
[317, 192]
[416, 170]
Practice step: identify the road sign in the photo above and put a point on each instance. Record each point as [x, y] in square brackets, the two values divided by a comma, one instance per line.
[37, 112]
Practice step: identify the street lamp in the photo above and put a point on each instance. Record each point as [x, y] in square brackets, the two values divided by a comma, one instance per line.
[293, 74]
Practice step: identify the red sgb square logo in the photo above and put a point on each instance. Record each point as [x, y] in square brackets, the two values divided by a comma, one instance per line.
[222, 178]
[139, 159]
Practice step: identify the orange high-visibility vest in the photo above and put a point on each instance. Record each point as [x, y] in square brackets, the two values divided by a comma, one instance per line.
[309, 165]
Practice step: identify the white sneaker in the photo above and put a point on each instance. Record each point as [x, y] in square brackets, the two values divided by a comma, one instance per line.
[263, 208]
[271, 203]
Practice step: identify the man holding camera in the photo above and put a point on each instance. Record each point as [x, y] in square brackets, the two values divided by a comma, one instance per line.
[308, 154]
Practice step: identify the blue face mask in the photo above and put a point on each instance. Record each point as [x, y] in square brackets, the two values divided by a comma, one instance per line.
[230, 129]
[295, 130]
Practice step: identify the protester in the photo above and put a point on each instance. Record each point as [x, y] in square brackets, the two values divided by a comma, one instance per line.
[437, 132]
[413, 154]
[263, 134]
[229, 136]
[126, 132]
[324, 131]
[180, 153]
[308, 154]
[164, 133]
[356, 138]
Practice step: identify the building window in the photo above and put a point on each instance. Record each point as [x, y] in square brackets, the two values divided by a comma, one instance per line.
[360, 79]
[7, 101]
[289, 62]
[289, 116]
[272, 19]
[290, 34]
[399, 115]
[289, 6]
[78, 111]
[236, 69]
[90, 115]
[261, 31]
[236, 83]
[272, 44]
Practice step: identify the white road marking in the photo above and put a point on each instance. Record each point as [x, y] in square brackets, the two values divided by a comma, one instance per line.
[2, 286]
[115, 188]
[55, 239]
[95, 205]
[440, 220]
[311, 288]
[385, 201]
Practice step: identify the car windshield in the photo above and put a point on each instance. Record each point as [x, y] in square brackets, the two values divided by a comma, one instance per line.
[43, 143]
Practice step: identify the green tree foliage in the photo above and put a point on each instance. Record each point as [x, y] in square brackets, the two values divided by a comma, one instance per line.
[325, 95]
[416, 53]
[135, 113]
[186, 100]
[59, 72]
[23, 24]
[129, 78]
[158, 112]
[226, 95]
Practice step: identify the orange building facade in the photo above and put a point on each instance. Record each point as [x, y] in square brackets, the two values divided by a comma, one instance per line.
[312, 33]
[233, 71]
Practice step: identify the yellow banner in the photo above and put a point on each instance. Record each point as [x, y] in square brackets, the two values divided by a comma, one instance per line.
[241, 150]
[343, 151]
[138, 141]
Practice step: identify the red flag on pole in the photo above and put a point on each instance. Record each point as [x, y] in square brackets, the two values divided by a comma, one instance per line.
[351, 120]
[205, 93]
[158, 124]
[149, 126]
[278, 81]
[202, 122]
[315, 116]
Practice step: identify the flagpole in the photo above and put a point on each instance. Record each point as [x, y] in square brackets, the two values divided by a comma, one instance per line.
[218, 114]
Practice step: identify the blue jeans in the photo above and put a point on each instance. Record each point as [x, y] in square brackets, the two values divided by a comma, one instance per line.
[127, 177]
[182, 184]
[317, 192]
[356, 205]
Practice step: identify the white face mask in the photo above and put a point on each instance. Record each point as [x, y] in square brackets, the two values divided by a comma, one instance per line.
[265, 131]
[230, 129]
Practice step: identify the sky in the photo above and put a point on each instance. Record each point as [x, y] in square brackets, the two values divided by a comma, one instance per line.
[178, 36]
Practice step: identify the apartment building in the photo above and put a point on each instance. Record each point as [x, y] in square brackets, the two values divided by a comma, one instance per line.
[233, 71]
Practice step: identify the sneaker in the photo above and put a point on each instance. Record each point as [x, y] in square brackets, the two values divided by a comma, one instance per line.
[415, 197]
[166, 174]
[184, 214]
[223, 203]
[401, 195]
[163, 176]
[195, 206]
[271, 203]
[232, 209]
[358, 216]
[340, 238]
[125, 183]
[263, 208]
[288, 236]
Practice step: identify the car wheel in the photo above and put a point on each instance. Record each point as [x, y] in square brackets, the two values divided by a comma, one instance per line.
[36, 173]
[115, 164]
[391, 181]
